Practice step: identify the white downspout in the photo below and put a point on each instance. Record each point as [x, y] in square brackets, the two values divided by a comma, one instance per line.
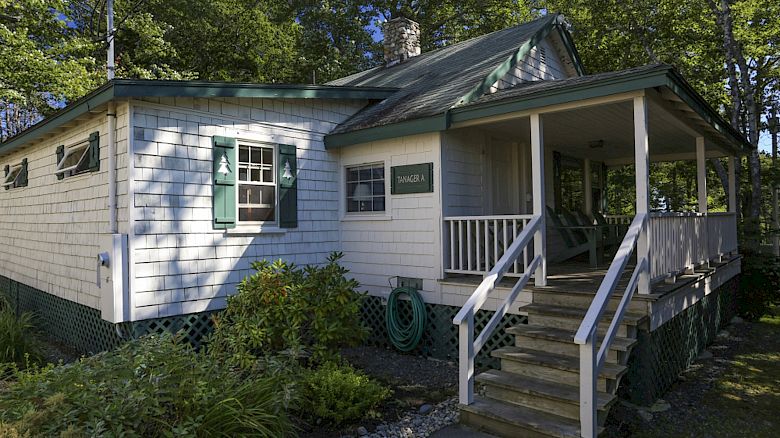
[111, 115]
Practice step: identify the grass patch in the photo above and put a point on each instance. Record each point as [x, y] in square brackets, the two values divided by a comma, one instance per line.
[742, 400]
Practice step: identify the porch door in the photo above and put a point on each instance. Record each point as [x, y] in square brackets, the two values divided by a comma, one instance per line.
[503, 177]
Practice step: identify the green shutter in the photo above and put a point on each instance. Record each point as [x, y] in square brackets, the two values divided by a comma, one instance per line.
[6, 170]
[60, 155]
[94, 151]
[288, 187]
[224, 193]
[21, 181]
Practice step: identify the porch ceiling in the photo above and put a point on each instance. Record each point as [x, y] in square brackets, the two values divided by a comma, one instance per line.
[574, 131]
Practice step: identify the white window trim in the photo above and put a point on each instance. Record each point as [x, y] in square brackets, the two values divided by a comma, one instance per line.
[11, 183]
[348, 216]
[70, 150]
[254, 227]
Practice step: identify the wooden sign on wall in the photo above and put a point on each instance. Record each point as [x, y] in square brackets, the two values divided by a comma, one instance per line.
[412, 178]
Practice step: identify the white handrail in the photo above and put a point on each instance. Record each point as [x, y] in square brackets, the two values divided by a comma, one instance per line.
[592, 359]
[469, 347]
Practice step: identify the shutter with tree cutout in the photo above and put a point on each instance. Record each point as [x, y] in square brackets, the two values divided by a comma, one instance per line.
[224, 177]
[288, 186]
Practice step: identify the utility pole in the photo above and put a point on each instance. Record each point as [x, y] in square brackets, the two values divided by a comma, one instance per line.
[773, 129]
[110, 38]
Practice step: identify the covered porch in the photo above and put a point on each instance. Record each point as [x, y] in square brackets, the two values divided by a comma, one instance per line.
[500, 172]
[525, 212]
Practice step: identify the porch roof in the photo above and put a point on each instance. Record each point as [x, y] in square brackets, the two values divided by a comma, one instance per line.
[680, 99]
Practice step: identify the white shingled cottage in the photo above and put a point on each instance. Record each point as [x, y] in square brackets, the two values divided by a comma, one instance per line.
[475, 172]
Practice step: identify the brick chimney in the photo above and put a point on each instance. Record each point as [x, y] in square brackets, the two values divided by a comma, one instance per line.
[401, 40]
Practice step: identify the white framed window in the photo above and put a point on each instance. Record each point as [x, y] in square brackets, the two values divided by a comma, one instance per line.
[14, 177]
[75, 159]
[257, 184]
[365, 190]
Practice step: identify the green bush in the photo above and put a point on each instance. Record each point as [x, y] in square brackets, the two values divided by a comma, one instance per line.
[759, 285]
[154, 386]
[285, 309]
[339, 393]
[19, 342]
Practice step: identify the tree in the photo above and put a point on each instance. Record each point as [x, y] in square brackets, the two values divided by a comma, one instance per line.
[44, 63]
[728, 50]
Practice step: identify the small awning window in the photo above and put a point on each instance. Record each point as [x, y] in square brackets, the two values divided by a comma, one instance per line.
[11, 179]
[75, 159]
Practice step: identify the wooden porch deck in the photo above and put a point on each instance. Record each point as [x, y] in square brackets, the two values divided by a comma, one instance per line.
[578, 277]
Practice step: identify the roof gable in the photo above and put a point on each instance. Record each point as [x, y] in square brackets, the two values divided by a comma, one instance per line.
[434, 82]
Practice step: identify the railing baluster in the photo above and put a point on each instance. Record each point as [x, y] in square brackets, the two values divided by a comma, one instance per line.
[452, 244]
[468, 244]
[488, 265]
[478, 245]
[495, 242]
[460, 244]
[515, 266]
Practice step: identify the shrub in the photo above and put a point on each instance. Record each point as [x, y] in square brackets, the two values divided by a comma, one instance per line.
[150, 387]
[759, 286]
[285, 309]
[339, 393]
[19, 342]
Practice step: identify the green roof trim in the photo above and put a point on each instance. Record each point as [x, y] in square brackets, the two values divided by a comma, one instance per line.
[568, 43]
[129, 88]
[409, 127]
[510, 63]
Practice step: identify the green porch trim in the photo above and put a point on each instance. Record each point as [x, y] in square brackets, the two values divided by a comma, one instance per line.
[684, 91]
[509, 64]
[410, 127]
[568, 44]
[131, 88]
[573, 93]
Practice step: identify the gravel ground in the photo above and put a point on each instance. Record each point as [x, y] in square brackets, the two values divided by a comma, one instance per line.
[423, 393]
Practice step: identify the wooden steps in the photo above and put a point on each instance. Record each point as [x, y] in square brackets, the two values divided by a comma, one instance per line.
[536, 391]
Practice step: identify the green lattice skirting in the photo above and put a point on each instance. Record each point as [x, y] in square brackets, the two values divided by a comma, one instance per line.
[440, 340]
[82, 328]
[660, 356]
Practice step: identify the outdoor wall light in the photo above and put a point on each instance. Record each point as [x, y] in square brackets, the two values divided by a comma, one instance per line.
[596, 144]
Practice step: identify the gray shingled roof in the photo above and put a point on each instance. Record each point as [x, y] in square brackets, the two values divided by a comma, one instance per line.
[433, 82]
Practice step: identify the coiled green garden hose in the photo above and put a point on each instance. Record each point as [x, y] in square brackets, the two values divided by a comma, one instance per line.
[405, 337]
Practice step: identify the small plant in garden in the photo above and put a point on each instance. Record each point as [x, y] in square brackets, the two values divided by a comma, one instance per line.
[282, 308]
[154, 386]
[19, 343]
[339, 393]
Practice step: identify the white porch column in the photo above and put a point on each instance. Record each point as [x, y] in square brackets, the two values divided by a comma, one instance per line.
[701, 174]
[588, 188]
[537, 183]
[701, 182]
[642, 165]
[732, 184]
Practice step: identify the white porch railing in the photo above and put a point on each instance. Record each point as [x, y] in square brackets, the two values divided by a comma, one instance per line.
[468, 345]
[682, 241]
[476, 243]
[721, 234]
[678, 242]
[593, 356]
